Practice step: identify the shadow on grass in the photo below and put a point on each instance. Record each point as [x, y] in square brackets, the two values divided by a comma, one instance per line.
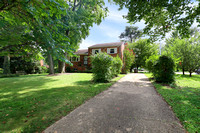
[194, 77]
[30, 107]
[185, 102]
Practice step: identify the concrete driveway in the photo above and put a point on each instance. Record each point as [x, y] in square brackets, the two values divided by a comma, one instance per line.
[130, 105]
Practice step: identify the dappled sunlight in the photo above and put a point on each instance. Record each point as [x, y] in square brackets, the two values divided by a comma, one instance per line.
[33, 103]
[184, 99]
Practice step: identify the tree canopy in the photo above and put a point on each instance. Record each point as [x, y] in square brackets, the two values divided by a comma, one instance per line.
[51, 26]
[161, 16]
[143, 49]
[186, 52]
[131, 33]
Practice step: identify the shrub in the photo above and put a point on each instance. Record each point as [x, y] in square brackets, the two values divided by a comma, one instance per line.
[150, 62]
[163, 70]
[128, 59]
[116, 66]
[105, 67]
[101, 67]
[68, 69]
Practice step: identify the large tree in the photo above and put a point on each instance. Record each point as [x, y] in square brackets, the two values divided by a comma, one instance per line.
[185, 51]
[55, 25]
[131, 33]
[161, 16]
[143, 49]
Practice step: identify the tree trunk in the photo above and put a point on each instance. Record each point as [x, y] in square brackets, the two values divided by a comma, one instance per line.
[51, 66]
[61, 65]
[190, 74]
[183, 70]
[6, 65]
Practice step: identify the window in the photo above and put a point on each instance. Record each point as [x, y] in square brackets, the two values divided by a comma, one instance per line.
[112, 51]
[95, 51]
[75, 59]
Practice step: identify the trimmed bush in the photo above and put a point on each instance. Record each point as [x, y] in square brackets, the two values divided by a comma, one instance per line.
[163, 70]
[105, 67]
[116, 66]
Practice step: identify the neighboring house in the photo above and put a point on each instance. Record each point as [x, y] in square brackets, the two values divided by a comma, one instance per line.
[82, 62]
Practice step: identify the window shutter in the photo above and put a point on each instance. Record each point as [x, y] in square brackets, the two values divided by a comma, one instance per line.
[93, 51]
[108, 50]
[99, 50]
[115, 50]
[79, 58]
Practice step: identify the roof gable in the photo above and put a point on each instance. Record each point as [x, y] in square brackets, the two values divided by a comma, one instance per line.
[82, 52]
[107, 45]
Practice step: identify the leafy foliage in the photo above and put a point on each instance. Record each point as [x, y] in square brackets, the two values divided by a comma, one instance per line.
[186, 51]
[117, 65]
[54, 27]
[163, 70]
[105, 67]
[131, 33]
[161, 16]
[151, 61]
[143, 49]
[128, 58]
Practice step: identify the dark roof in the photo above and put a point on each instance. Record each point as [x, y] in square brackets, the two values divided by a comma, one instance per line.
[82, 51]
[107, 45]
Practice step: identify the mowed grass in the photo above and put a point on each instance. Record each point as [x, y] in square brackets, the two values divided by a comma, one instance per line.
[184, 98]
[32, 103]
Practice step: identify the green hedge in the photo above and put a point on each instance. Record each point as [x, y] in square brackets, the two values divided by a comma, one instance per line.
[105, 67]
[163, 70]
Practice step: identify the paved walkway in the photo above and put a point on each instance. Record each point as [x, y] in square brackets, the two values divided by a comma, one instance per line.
[131, 105]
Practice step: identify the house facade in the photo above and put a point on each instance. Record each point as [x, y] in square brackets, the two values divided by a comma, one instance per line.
[82, 61]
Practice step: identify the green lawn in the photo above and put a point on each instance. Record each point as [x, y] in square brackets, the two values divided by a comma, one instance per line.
[184, 99]
[33, 102]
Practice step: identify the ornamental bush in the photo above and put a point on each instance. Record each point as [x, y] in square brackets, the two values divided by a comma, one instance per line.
[116, 66]
[163, 70]
[105, 67]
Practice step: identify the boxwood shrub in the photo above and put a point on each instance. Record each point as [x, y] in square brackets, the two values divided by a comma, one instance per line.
[163, 70]
[105, 67]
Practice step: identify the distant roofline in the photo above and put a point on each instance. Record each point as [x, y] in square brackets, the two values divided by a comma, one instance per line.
[106, 45]
[82, 52]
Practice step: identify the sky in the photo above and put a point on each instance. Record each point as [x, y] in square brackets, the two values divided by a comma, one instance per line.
[111, 27]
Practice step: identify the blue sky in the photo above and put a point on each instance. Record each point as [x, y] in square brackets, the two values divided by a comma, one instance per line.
[110, 28]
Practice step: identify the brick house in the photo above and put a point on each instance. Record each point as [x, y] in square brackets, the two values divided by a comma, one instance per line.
[82, 61]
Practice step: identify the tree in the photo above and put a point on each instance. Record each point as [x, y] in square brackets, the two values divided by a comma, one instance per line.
[161, 16]
[56, 26]
[143, 49]
[187, 52]
[193, 57]
[184, 52]
[131, 33]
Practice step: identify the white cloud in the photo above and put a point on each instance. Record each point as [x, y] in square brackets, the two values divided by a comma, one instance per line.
[117, 16]
[109, 31]
[86, 43]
